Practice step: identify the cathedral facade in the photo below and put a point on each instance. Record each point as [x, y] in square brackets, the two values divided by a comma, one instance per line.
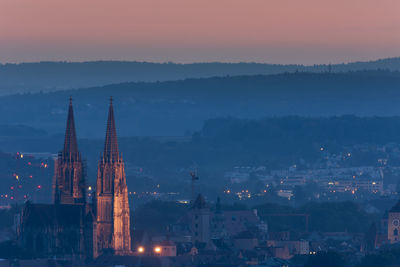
[112, 204]
[73, 227]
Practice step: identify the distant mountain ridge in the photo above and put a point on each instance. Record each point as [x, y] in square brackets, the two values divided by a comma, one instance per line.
[55, 76]
[172, 108]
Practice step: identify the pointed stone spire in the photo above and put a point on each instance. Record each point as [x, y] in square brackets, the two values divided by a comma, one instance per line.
[69, 177]
[70, 143]
[112, 205]
[111, 152]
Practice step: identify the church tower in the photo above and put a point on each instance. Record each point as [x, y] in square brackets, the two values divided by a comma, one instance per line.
[112, 208]
[394, 224]
[200, 213]
[69, 179]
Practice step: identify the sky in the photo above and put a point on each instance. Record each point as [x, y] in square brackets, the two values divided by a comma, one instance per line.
[271, 31]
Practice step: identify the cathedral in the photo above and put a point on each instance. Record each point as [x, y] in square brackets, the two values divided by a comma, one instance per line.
[73, 227]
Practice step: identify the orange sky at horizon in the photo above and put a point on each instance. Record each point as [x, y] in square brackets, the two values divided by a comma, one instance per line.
[276, 31]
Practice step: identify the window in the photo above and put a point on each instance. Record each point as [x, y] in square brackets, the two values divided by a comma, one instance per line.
[395, 232]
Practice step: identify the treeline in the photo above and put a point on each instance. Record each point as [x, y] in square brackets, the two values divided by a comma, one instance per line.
[175, 107]
[223, 143]
[55, 76]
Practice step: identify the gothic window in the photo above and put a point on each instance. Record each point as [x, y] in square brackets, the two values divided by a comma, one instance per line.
[395, 232]
[67, 183]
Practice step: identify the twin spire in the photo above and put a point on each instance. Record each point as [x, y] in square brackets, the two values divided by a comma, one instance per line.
[111, 152]
[70, 143]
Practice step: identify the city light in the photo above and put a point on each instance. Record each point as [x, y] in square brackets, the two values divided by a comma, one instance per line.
[140, 249]
[157, 249]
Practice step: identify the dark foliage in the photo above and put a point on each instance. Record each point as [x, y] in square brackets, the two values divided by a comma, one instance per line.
[326, 259]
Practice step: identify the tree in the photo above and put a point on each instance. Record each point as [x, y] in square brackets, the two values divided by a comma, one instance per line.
[325, 259]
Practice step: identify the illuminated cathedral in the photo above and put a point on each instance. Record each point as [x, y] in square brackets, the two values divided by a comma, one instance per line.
[73, 227]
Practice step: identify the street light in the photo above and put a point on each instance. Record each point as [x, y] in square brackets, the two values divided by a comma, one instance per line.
[157, 249]
[140, 249]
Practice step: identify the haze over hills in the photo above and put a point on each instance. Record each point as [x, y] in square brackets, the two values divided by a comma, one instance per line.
[54, 76]
[172, 108]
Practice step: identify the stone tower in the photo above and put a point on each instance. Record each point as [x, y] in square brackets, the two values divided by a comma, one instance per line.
[394, 224]
[112, 208]
[218, 222]
[69, 178]
[200, 214]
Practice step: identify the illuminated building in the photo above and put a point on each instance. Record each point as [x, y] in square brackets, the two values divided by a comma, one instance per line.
[69, 180]
[112, 207]
[71, 227]
[65, 228]
[394, 224]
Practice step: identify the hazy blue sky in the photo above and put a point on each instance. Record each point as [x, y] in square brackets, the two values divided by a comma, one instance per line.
[276, 31]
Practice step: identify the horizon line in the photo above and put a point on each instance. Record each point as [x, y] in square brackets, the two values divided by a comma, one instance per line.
[196, 62]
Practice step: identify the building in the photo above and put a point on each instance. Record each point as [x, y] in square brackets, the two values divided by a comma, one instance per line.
[71, 227]
[69, 178]
[218, 230]
[64, 228]
[112, 206]
[167, 248]
[200, 226]
[394, 224]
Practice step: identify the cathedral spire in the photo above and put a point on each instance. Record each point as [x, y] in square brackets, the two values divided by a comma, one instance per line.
[111, 152]
[112, 205]
[69, 177]
[70, 143]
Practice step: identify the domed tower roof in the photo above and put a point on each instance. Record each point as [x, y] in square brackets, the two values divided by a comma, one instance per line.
[200, 202]
[395, 208]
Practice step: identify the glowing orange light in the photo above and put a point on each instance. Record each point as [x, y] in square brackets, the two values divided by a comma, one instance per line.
[157, 249]
[140, 249]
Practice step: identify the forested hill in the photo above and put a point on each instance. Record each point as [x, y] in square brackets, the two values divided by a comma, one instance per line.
[173, 107]
[53, 76]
